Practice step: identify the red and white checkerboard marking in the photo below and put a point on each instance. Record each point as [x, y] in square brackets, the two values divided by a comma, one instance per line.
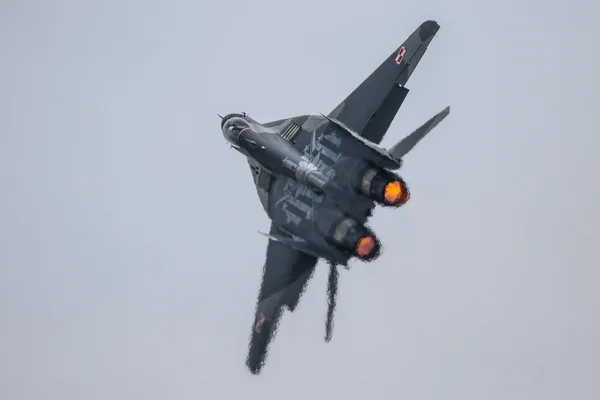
[400, 55]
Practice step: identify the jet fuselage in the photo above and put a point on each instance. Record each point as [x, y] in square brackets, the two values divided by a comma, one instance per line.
[334, 229]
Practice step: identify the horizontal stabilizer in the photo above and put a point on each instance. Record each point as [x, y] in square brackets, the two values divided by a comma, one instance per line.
[402, 148]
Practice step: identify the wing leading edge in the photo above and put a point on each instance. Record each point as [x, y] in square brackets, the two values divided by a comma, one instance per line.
[372, 106]
[286, 273]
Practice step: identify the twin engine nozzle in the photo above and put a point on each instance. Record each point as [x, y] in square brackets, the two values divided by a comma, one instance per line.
[383, 186]
[356, 239]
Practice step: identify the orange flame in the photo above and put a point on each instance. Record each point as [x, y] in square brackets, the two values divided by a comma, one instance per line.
[395, 193]
[365, 246]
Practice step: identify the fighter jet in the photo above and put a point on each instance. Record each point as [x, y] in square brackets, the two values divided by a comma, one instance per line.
[319, 177]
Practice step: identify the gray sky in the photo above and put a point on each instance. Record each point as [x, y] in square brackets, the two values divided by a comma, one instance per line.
[129, 258]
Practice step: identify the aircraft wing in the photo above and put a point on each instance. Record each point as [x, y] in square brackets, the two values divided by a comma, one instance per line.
[286, 273]
[372, 106]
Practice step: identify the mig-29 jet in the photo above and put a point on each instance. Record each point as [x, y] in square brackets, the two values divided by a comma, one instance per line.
[319, 177]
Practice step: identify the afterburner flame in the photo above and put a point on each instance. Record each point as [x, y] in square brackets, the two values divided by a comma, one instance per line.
[395, 193]
[365, 246]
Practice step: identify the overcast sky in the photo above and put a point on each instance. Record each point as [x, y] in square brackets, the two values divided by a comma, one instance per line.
[129, 254]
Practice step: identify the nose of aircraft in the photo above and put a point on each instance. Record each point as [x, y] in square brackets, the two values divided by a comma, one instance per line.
[232, 125]
[227, 117]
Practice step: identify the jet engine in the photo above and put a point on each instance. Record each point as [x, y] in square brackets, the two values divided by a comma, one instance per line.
[355, 238]
[384, 187]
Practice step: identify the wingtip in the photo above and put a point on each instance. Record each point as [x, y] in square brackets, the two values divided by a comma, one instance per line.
[441, 115]
[254, 369]
[428, 29]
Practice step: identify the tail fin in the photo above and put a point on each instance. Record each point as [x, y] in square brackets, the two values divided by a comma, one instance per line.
[402, 148]
[371, 107]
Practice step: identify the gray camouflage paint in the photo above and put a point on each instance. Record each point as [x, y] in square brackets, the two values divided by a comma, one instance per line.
[305, 169]
[110, 152]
